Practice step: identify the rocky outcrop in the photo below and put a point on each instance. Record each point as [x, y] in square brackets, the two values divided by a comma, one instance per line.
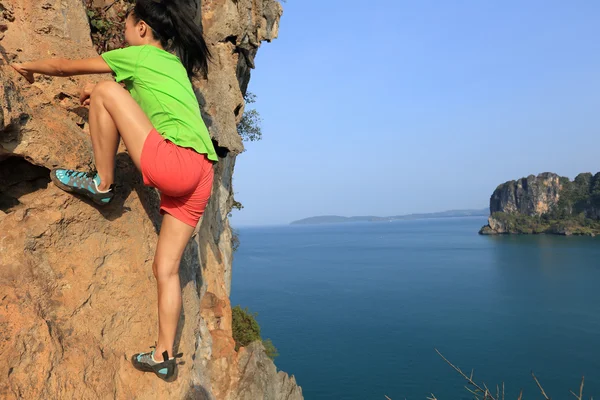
[77, 295]
[259, 379]
[546, 203]
[534, 195]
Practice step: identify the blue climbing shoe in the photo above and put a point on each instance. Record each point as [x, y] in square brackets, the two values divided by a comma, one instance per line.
[165, 370]
[84, 183]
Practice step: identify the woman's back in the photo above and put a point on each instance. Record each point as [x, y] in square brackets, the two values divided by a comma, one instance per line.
[159, 83]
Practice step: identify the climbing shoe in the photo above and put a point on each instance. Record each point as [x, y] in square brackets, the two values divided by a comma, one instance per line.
[165, 370]
[84, 183]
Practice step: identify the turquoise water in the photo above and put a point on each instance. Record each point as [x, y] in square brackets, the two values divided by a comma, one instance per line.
[356, 310]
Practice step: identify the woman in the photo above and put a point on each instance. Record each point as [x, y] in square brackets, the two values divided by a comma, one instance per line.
[158, 117]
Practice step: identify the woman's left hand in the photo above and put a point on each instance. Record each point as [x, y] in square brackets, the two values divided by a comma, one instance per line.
[26, 74]
[86, 92]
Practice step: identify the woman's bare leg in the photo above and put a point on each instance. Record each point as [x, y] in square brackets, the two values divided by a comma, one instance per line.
[174, 236]
[112, 112]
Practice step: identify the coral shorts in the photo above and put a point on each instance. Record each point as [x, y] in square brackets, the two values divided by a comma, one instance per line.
[183, 177]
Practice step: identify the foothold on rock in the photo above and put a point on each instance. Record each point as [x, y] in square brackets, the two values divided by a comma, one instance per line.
[44, 30]
[20, 215]
[7, 14]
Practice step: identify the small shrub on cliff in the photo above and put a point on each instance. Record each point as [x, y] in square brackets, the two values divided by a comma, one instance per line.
[270, 349]
[235, 240]
[246, 330]
[249, 127]
[107, 24]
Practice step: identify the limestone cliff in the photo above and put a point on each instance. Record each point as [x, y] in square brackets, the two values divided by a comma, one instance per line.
[546, 203]
[77, 295]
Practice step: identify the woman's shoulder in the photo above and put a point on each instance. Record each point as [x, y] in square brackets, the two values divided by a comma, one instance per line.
[129, 51]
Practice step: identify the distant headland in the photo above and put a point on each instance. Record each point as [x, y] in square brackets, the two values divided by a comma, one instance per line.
[335, 219]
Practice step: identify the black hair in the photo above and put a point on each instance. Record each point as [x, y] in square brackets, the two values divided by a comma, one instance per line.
[173, 23]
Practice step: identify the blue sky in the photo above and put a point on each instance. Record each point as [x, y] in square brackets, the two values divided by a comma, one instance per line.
[393, 107]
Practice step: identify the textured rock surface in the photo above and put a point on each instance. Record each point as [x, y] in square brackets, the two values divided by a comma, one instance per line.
[257, 376]
[546, 203]
[534, 195]
[77, 295]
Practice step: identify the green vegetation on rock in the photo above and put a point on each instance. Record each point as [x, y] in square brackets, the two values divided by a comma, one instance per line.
[249, 127]
[246, 330]
[578, 196]
[107, 24]
[525, 224]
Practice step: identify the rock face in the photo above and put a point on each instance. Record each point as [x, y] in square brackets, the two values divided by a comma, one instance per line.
[546, 203]
[77, 295]
[259, 378]
[534, 195]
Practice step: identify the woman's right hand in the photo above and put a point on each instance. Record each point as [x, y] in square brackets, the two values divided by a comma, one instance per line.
[86, 92]
[20, 68]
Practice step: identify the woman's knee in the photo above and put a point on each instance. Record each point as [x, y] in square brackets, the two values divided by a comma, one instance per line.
[105, 89]
[165, 269]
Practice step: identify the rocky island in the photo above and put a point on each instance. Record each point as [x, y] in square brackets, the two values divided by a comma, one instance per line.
[546, 203]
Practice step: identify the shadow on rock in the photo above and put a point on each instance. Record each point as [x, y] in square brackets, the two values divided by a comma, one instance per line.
[197, 392]
[127, 179]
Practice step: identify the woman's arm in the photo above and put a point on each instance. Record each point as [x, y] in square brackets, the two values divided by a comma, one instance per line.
[62, 67]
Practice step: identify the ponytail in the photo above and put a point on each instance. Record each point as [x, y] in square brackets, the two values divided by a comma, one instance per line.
[173, 24]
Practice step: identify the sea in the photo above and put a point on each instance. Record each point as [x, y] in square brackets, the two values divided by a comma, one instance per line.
[358, 310]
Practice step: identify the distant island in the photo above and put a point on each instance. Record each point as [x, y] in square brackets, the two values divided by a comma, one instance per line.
[546, 203]
[335, 219]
